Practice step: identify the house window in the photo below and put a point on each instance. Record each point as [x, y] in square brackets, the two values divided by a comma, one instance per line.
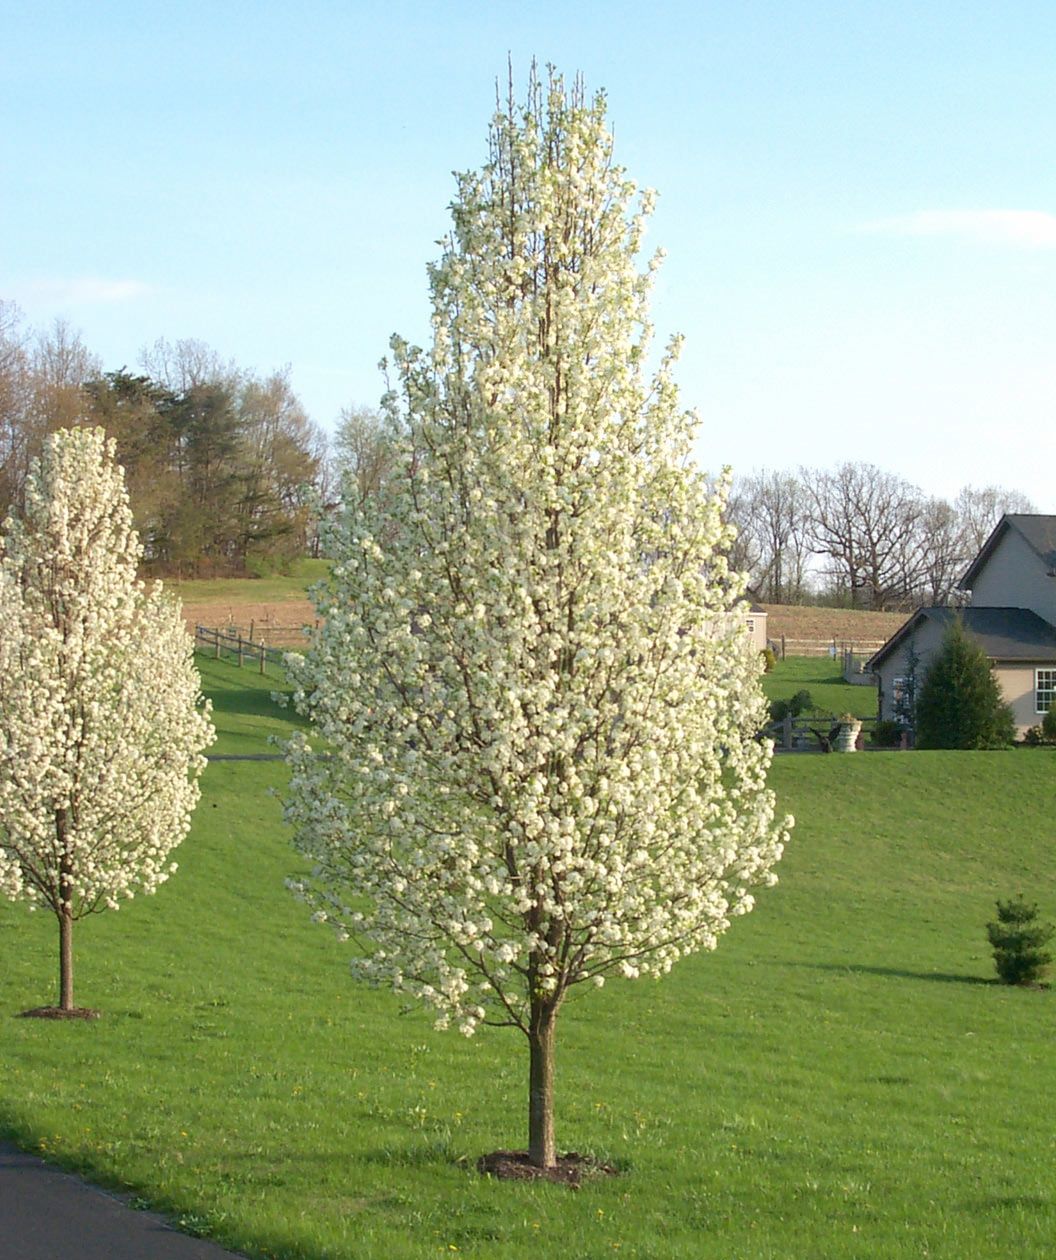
[750, 623]
[902, 700]
[1044, 689]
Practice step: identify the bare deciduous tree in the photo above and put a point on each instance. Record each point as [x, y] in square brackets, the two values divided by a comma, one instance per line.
[769, 512]
[363, 451]
[866, 522]
[41, 379]
[979, 511]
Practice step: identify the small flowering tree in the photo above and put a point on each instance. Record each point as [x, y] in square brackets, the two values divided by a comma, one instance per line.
[539, 704]
[101, 732]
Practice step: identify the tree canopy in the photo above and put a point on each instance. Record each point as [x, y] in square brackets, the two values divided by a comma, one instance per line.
[101, 732]
[541, 708]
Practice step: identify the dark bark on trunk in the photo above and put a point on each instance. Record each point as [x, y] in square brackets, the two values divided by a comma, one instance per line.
[542, 1150]
[65, 917]
[66, 960]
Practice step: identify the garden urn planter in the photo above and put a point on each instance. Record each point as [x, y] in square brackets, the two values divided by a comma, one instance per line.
[847, 736]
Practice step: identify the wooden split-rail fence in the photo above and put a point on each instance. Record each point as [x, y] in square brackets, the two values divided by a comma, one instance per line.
[818, 732]
[834, 647]
[230, 645]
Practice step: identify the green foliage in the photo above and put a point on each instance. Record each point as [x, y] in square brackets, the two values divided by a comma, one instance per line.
[1048, 726]
[800, 702]
[1019, 941]
[960, 703]
[217, 460]
[887, 734]
[769, 659]
[1034, 736]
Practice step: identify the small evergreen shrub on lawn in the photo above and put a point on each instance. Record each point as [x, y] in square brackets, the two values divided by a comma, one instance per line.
[769, 659]
[1018, 942]
[1048, 726]
[960, 703]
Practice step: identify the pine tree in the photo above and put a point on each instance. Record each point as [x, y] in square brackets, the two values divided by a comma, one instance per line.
[1019, 942]
[960, 703]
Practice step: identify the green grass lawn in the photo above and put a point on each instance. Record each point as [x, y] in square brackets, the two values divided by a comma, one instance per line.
[839, 1079]
[821, 676]
[292, 585]
[245, 714]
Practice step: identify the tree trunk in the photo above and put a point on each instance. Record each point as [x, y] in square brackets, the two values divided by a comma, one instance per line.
[65, 917]
[542, 1151]
[66, 959]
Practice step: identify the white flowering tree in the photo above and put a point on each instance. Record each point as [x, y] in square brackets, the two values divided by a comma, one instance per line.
[101, 722]
[539, 705]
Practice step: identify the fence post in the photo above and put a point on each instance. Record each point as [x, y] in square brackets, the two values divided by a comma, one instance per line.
[239, 651]
[786, 732]
[262, 656]
[216, 641]
[782, 647]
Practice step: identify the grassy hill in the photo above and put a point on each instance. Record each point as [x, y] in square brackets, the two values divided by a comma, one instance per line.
[820, 675]
[840, 1078]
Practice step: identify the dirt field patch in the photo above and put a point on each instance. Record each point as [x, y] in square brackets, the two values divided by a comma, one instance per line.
[277, 622]
[797, 621]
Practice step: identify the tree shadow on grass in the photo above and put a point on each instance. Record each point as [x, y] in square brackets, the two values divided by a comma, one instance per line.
[857, 969]
[249, 700]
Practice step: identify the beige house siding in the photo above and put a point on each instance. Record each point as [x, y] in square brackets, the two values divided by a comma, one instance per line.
[1017, 686]
[756, 623]
[1015, 576]
[1016, 679]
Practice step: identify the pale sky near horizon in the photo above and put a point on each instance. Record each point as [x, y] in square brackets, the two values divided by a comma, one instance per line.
[858, 200]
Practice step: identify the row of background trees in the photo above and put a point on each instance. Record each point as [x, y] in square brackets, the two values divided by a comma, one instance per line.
[858, 536]
[219, 460]
[221, 464]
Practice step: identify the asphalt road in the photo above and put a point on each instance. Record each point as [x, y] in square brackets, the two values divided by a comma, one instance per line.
[49, 1215]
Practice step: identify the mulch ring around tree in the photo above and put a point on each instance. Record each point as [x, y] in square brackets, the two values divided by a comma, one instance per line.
[56, 1012]
[570, 1170]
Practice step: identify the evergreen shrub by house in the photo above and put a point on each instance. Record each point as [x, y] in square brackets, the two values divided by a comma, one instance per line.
[960, 703]
[887, 734]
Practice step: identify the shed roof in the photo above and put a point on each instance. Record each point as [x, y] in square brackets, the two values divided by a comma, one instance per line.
[1004, 634]
[1038, 532]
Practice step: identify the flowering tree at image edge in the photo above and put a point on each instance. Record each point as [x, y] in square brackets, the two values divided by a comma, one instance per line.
[101, 721]
[539, 706]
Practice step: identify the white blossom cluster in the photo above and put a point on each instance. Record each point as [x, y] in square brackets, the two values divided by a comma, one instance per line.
[101, 721]
[540, 715]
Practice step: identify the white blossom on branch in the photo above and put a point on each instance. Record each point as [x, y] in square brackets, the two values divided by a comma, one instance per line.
[539, 707]
[102, 726]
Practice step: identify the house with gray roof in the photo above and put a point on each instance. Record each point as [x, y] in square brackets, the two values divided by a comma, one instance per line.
[1012, 615]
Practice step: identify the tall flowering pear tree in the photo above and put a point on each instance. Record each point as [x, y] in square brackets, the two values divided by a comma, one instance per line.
[539, 706]
[101, 722]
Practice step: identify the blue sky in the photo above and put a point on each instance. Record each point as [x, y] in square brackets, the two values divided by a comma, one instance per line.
[858, 200]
